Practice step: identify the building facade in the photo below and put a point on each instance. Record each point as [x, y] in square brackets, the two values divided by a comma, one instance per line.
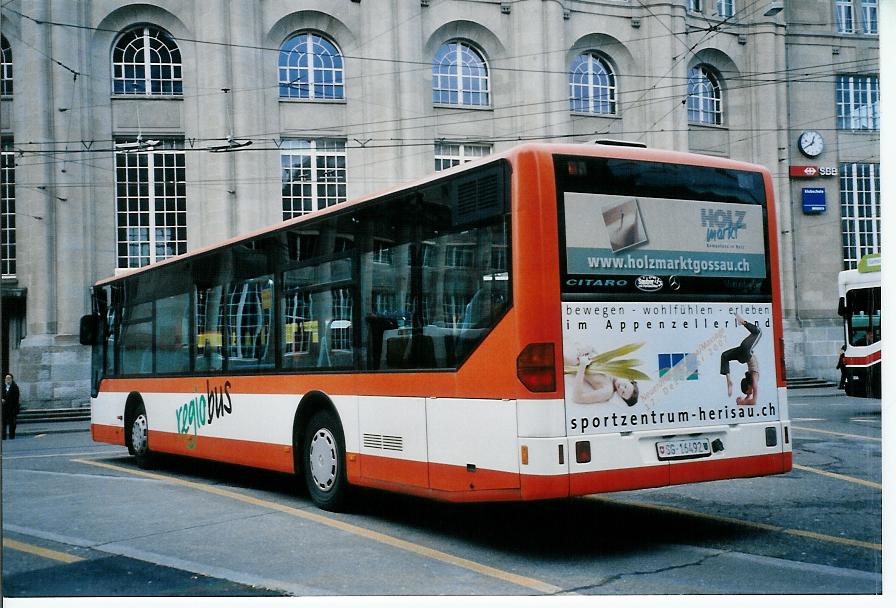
[132, 132]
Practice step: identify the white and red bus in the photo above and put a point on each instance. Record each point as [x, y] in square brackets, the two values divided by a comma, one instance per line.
[860, 303]
[548, 322]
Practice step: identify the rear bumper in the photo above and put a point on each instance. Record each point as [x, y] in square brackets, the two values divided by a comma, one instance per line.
[630, 462]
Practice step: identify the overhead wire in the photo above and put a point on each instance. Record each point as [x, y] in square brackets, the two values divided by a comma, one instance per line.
[464, 115]
[406, 142]
[440, 116]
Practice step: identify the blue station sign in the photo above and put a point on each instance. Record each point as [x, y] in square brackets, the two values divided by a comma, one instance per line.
[814, 200]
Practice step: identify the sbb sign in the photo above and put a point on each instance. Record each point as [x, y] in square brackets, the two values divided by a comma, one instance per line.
[811, 171]
[801, 171]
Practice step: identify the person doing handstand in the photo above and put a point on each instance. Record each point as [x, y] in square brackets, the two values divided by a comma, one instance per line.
[743, 353]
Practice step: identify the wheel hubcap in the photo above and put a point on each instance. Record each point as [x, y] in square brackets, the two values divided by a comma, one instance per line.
[138, 434]
[323, 460]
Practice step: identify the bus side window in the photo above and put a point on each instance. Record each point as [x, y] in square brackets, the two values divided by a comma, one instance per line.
[250, 315]
[209, 329]
[318, 331]
[111, 334]
[136, 339]
[336, 348]
[172, 334]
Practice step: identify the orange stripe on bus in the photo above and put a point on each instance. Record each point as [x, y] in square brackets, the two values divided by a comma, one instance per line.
[402, 472]
[730, 468]
[235, 451]
[107, 434]
[454, 483]
[274, 457]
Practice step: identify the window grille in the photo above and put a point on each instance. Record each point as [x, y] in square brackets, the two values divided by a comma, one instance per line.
[460, 75]
[860, 211]
[858, 102]
[448, 154]
[5, 67]
[311, 67]
[704, 97]
[313, 175]
[7, 210]
[151, 205]
[869, 16]
[146, 61]
[592, 85]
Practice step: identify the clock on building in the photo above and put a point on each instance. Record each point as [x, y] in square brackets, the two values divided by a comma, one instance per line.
[811, 143]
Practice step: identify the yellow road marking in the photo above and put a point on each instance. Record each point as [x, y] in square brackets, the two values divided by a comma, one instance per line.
[850, 435]
[58, 556]
[863, 482]
[749, 524]
[516, 579]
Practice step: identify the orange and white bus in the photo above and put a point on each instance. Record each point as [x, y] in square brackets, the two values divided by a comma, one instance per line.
[552, 321]
[859, 305]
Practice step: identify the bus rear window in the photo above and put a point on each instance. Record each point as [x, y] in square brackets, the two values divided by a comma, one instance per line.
[863, 316]
[631, 228]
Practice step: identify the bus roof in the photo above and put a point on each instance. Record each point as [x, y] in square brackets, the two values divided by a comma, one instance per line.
[856, 279]
[596, 150]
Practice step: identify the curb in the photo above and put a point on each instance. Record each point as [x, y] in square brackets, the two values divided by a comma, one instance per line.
[48, 431]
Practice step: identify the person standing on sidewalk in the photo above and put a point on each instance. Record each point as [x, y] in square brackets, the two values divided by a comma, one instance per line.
[841, 365]
[10, 405]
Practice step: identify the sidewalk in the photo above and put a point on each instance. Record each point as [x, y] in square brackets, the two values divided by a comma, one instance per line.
[827, 391]
[62, 426]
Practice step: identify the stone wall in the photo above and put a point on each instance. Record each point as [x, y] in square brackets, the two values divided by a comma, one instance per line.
[54, 372]
[811, 348]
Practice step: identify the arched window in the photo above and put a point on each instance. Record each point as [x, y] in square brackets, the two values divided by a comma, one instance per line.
[592, 85]
[459, 75]
[146, 61]
[704, 96]
[310, 68]
[5, 67]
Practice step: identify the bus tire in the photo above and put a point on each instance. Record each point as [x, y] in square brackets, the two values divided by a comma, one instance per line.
[139, 438]
[323, 461]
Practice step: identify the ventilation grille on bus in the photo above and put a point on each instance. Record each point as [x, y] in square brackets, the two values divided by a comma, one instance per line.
[383, 442]
[477, 198]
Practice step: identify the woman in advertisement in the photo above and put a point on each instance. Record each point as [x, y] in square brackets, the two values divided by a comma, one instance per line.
[600, 387]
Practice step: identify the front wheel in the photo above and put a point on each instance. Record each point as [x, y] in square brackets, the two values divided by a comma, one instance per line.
[140, 439]
[323, 461]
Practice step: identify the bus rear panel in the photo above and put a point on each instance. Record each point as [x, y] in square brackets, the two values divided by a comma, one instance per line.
[669, 332]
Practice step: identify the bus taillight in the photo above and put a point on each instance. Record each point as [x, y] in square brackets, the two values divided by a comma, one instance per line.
[535, 367]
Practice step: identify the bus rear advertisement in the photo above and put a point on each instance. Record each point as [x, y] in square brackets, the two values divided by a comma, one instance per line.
[551, 321]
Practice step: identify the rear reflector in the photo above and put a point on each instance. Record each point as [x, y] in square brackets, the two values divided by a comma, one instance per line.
[583, 451]
[524, 454]
[535, 367]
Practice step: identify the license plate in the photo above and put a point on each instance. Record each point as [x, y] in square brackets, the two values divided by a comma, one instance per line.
[681, 449]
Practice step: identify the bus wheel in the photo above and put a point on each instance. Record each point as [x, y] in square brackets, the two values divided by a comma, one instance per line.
[140, 438]
[323, 461]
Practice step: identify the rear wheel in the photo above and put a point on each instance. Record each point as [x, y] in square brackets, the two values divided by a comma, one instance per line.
[323, 461]
[140, 438]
